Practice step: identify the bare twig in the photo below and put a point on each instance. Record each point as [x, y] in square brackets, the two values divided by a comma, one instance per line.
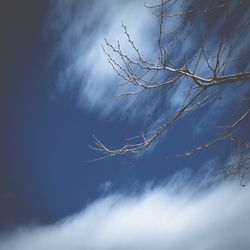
[207, 68]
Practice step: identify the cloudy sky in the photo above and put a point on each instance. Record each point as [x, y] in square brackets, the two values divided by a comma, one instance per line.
[58, 90]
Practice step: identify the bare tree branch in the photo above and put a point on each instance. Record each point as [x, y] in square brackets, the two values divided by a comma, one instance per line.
[210, 66]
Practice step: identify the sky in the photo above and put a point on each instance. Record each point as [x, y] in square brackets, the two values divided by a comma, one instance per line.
[57, 91]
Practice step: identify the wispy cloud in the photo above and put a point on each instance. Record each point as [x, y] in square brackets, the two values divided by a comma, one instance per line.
[105, 186]
[170, 216]
[81, 27]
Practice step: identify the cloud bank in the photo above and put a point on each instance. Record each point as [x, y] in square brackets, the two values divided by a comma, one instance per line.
[171, 216]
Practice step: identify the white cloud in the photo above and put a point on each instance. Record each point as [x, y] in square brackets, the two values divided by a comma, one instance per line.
[82, 27]
[105, 186]
[173, 216]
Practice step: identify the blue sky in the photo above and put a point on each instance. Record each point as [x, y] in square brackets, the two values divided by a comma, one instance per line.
[57, 91]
